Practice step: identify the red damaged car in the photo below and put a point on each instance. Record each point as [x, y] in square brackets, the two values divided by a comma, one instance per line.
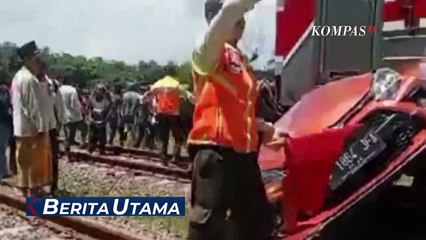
[387, 110]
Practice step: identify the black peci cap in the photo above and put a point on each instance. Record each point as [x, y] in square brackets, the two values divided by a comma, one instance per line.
[27, 50]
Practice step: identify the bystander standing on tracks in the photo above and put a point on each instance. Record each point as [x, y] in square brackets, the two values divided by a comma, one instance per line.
[73, 118]
[12, 139]
[149, 107]
[99, 107]
[47, 110]
[83, 98]
[114, 114]
[129, 108]
[167, 91]
[55, 107]
[31, 124]
[142, 114]
[6, 127]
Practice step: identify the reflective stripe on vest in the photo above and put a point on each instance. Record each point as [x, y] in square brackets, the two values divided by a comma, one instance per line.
[225, 108]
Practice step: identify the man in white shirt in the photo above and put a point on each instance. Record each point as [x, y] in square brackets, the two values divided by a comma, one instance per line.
[31, 124]
[73, 118]
[129, 108]
[54, 108]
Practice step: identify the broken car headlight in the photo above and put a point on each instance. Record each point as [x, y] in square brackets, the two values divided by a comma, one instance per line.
[386, 83]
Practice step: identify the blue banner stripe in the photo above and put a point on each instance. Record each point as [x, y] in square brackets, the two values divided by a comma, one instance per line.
[106, 206]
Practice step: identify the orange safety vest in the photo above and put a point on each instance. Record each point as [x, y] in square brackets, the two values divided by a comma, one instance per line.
[167, 94]
[224, 112]
[198, 84]
[168, 101]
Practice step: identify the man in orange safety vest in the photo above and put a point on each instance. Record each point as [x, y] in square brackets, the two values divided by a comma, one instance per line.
[167, 92]
[224, 139]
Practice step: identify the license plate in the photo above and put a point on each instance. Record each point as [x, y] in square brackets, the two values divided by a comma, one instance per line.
[358, 154]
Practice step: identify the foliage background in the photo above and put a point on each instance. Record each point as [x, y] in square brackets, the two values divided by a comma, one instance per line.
[87, 71]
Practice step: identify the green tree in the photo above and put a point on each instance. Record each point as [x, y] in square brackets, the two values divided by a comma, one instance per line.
[185, 75]
[86, 71]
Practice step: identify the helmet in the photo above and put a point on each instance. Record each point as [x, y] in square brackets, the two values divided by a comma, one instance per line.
[211, 8]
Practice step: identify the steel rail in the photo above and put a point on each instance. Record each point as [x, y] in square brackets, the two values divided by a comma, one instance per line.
[87, 229]
[131, 163]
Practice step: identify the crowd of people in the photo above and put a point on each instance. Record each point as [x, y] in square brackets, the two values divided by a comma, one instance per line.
[35, 107]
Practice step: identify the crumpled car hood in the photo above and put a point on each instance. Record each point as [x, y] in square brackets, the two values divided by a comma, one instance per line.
[317, 110]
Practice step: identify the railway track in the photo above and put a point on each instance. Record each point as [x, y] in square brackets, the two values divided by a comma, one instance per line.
[14, 224]
[139, 163]
[138, 166]
[139, 160]
[116, 150]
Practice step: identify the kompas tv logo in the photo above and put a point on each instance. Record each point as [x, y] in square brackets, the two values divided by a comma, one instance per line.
[342, 31]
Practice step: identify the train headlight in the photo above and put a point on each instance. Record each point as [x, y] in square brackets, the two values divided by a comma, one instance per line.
[386, 83]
